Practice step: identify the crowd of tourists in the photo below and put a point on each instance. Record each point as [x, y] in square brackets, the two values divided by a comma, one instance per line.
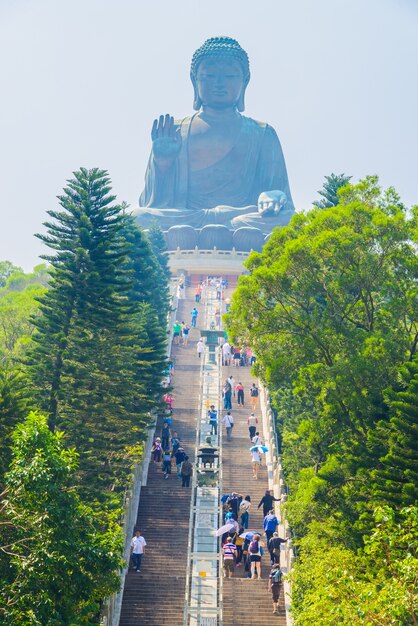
[236, 355]
[243, 549]
[246, 549]
[167, 450]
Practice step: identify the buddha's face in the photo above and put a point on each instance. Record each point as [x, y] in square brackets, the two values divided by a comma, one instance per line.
[220, 83]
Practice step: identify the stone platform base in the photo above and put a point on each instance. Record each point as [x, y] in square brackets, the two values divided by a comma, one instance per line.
[217, 236]
[207, 262]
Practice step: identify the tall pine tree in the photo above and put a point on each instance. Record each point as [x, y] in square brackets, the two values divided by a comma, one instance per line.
[396, 481]
[329, 191]
[85, 363]
[159, 247]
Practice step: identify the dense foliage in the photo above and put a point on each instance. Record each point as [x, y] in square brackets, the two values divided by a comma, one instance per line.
[330, 309]
[19, 293]
[59, 565]
[83, 341]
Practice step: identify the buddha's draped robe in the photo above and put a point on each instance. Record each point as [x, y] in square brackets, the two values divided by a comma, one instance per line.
[254, 164]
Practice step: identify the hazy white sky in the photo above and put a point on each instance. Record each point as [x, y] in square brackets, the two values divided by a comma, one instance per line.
[82, 80]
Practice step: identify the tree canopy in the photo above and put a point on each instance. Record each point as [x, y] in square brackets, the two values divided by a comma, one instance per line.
[82, 340]
[329, 308]
[58, 564]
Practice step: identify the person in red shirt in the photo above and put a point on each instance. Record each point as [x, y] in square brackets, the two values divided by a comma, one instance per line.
[239, 388]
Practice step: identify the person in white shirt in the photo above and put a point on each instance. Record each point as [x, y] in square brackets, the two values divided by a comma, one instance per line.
[138, 544]
[256, 460]
[257, 441]
[228, 421]
[200, 347]
[231, 381]
[226, 353]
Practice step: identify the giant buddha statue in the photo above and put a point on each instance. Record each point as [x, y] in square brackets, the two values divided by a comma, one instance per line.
[210, 168]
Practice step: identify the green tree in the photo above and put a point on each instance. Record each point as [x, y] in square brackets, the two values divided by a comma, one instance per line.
[59, 565]
[329, 309]
[396, 479]
[149, 284]
[7, 269]
[159, 247]
[85, 361]
[376, 587]
[18, 304]
[329, 191]
[14, 403]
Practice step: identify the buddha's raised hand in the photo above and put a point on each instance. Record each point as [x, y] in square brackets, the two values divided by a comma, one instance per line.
[166, 139]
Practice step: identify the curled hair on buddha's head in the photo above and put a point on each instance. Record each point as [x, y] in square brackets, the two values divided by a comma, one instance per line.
[218, 48]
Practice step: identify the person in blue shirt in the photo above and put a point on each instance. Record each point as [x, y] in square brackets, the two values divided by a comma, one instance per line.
[213, 420]
[194, 314]
[270, 524]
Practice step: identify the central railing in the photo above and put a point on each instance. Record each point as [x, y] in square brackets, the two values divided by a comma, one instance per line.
[203, 593]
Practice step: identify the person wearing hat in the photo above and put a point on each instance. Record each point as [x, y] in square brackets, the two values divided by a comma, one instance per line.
[252, 422]
[156, 450]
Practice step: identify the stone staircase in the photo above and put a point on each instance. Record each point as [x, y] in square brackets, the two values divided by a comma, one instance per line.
[246, 602]
[155, 596]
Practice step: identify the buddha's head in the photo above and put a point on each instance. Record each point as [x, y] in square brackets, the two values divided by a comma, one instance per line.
[220, 73]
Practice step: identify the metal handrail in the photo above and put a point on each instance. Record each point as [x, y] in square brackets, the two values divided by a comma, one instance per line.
[193, 488]
[199, 613]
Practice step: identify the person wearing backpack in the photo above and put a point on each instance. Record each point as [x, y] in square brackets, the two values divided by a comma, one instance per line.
[255, 552]
[246, 558]
[275, 580]
[180, 456]
[253, 396]
[244, 509]
[273, 546]
[228, 421]
[186, 472]
[166, 467]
